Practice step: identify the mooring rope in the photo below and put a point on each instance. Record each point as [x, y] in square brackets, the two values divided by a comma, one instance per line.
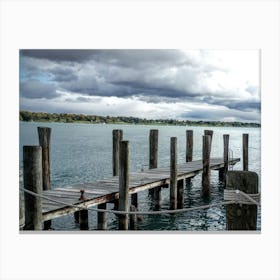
[242, 197]
[133, 212]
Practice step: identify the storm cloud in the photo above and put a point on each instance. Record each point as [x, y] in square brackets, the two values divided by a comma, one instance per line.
[227, 80]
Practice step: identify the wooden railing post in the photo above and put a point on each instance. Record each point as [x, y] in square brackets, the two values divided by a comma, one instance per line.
[206, 165]
[242, 216]
[245, 140]
[173, 173]
[124, 184]
[44, 134]
[32, 177]
[223, 171]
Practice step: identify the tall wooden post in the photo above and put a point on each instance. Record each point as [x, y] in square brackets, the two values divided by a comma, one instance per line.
[124, 184]
[101, 217]
[206, 165]
[117, 137]
[223, 171]
[32, 160]
[210, 133]
[189, 147]
[173, 173]
[242, 216]
[153, 156]
[44, 134]
[245, 138]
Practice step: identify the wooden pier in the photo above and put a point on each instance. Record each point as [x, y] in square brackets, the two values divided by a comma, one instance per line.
[44, 203]
[107, 190]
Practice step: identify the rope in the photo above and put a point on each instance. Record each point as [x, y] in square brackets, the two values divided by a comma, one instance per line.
[241, 197]
[131, 212]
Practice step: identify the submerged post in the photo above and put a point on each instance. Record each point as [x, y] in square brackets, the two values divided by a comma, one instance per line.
[180, 194]
[83, 219]
[189, 147]
[101, 217]
[44, 134]
[132, 218]
[117, 137]
[32, 160]
[153, 156]
[242, 216]
[223, 171]
[206, 165]
[173, 173]
[245, 140]
[124, 184]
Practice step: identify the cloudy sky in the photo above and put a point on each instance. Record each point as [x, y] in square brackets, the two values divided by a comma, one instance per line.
[179, 84]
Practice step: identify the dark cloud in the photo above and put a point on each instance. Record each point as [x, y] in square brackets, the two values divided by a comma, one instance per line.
[60, 74]
[37, 89]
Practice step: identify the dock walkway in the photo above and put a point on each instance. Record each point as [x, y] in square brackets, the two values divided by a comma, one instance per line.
[107, 190]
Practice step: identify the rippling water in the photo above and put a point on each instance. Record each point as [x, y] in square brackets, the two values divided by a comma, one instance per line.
[83, 153]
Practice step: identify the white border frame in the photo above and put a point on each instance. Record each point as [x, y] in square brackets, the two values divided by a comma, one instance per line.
[147, 24]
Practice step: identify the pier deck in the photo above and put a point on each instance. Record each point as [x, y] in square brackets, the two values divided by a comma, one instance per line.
[107, 190]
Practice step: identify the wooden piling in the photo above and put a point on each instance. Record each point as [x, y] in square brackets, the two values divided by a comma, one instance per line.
[133, 218]
[32, 177]
[180, 194]
[44, 134]
[245, 140]
[153, 154]
[189, 149]
[102, 217]
[242, 216]
[123, 184]
[206, 165]
[21, 203]
[83, 219]
[173, 173]
[210, 133]
[223, 171]
[117, 137]
[189, 146]
[134, 199]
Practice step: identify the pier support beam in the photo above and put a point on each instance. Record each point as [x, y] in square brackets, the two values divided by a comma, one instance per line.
[83, 219]
[132, 218]
[210, 133]
[180, 194]
[44, 134]
[32, 178]
[242, 216]
[124, 184]
[173, 173]
[101, 217]
[245, 142]
[134, 199]
[223, 171]
[206, 140]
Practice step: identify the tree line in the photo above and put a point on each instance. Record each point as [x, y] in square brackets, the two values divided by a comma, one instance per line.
[72, 118]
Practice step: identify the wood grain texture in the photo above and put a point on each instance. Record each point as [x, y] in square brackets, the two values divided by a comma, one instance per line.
[242, 217]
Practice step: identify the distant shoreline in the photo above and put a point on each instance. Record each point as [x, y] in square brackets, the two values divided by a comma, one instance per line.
[28, 116]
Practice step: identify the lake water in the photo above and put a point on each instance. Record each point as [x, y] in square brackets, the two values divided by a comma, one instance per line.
[83, 153]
